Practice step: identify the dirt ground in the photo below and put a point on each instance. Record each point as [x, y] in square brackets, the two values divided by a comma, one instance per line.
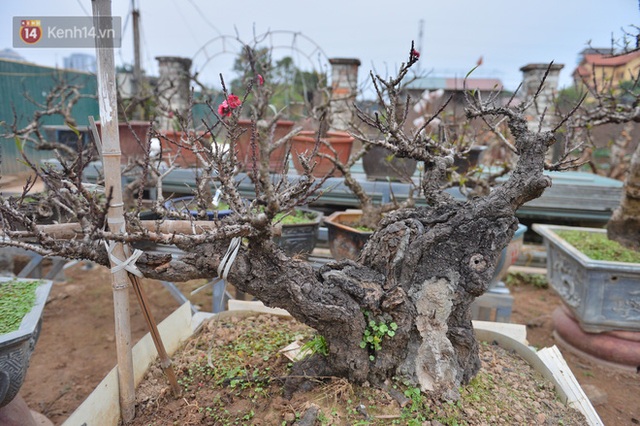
[76, 348]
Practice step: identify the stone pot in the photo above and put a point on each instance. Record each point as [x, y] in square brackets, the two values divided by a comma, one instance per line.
[17, 346]
[277, 158]
[600, 316]
[601, 295]
[379, 164]
[101, 406]
[295, 239]
[305, 142]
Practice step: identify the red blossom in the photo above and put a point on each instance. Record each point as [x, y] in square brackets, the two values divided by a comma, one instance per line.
[224, 110]
[234, 101]
[260, 80]
[415, 54]
[228, 105]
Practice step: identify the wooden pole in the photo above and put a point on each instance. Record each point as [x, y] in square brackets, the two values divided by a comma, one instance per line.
[113, 183]
[137, 69]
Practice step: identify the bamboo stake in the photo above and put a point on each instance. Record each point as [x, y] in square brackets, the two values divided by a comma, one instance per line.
[165, 361]
[111, 166]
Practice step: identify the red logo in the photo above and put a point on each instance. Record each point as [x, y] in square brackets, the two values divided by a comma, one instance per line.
[30, 31]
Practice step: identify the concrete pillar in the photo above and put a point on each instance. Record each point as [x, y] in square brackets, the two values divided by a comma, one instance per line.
[344, 87]
[173, 89]
[531, 76]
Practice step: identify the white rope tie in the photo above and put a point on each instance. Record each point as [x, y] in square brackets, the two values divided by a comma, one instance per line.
[216, 198]
[128, 264]
[229, 257]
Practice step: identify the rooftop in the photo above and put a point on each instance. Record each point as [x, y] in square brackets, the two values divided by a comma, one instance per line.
[455, 84]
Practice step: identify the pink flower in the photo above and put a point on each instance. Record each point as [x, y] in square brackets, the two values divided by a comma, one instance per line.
[260, 80]
[228, 105]
[224, 110]
[234, 101]
[415, 54]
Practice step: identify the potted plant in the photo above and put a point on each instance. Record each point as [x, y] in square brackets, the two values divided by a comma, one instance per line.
[345, 235]
[180, 143]
[598, 282]
[277, 157]
[380, 164]
[298, 230]
[267, 332]
[21, 304]
[334, 145]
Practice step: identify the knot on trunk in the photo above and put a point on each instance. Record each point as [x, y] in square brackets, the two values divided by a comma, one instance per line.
[478, 263]
[363, 284]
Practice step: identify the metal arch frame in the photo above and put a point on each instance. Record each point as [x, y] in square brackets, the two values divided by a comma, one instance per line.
[260, 38]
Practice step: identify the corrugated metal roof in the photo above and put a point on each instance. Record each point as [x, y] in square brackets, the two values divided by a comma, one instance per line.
[20, 81]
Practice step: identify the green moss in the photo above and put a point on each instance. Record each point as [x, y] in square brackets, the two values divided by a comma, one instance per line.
[17, 297]
[597, 246]
[296, 217]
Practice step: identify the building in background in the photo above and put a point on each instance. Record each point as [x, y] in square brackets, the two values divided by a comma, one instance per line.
[80, 62]
[22, 87]
[604, 68]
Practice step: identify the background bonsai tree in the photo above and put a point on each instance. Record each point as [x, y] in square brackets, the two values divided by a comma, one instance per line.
[417, 276]
[606, 103]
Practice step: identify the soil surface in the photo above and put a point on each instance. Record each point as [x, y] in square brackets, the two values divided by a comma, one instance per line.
[77, 349]
[232, 374]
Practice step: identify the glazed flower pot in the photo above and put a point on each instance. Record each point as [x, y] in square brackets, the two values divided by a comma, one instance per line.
[300, 238]
[379, 164]
[17, 346]
[305, 142]
[346, 241]
[244, 150]
[129, 134]
[172, 144]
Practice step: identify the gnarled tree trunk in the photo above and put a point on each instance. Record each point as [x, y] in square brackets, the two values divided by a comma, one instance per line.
[421, 269]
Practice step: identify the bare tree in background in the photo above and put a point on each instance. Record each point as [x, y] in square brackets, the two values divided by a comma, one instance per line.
[617, 105]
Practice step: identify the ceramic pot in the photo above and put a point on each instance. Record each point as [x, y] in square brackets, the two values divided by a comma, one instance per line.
[244, 150]
[305, 142]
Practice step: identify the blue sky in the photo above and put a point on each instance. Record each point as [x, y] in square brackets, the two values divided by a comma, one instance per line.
[506, 33]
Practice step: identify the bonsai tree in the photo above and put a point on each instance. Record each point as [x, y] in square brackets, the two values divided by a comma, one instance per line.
[606, 104]
[418, 275]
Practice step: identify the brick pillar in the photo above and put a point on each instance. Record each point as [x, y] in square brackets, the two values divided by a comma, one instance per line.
[173, 88]
[531, 76]
[344, 87]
